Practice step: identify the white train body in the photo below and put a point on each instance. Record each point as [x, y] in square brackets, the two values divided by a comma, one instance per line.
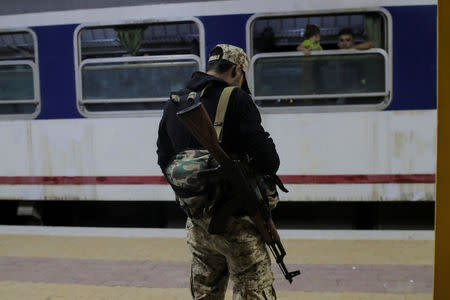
[382, 151]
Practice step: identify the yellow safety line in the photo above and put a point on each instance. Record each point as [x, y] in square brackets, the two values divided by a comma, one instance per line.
[389, 252]
[45, 291]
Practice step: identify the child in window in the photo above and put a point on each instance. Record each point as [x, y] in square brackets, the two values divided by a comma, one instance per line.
[312, 38]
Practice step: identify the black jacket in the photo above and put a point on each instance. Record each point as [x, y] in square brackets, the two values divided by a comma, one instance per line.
[242, 131]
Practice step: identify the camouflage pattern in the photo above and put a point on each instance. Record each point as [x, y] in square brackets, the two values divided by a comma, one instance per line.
[233, 54]
[269, 189]
[263, 185]
[240, 253]
[191, 175]
[184, 171]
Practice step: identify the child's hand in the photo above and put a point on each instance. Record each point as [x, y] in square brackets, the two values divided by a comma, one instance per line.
[306, 51]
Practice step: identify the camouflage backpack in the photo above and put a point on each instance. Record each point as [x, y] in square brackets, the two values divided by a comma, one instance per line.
[195, 178]
[194, 174]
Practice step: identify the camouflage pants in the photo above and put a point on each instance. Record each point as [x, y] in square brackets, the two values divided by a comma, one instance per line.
[240, 252]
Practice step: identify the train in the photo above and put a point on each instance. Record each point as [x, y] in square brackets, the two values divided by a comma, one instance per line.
[82, 91]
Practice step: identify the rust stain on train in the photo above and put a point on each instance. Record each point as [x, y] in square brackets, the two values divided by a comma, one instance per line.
[29, 146]
[402, 140]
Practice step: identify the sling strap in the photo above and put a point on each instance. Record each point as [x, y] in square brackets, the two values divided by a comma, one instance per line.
[221, 110]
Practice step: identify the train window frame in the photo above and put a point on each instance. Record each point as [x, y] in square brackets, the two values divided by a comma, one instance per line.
[80, 63]
[387, 52]
[34, 65]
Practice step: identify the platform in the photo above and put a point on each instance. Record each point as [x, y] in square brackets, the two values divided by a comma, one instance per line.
[68, 263]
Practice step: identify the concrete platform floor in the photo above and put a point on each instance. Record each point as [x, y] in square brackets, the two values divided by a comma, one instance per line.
[67, 263]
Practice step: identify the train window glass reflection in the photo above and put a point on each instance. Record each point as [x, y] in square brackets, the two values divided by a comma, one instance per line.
[17, 45]
[134, 82]
[321, 79]
[132, 68]
[19, 92]
[140, 40]
[336, 75]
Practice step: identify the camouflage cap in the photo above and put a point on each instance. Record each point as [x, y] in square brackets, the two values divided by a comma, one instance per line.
[233, 54]
[236, 56]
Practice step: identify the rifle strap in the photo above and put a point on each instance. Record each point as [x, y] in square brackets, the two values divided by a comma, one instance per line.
[221, 110]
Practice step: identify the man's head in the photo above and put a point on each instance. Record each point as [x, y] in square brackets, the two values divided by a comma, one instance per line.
[229, 63]
[345, 38]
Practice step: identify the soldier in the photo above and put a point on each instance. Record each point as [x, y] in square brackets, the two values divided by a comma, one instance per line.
[240, 252]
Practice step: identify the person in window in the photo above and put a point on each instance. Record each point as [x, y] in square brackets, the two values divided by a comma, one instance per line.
[310, 68]
[345, 41]
[350, 78]
[312, 39]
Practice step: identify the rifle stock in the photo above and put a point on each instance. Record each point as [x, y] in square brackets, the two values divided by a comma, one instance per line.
[199, 124]
[197, 120]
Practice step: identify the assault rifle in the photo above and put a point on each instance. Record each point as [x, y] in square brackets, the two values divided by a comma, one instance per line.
[196, 119]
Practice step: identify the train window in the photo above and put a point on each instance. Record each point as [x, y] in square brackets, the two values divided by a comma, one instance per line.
[132, 68]
[134, 85]
[19, 81]
[323, 79]
[337, 76]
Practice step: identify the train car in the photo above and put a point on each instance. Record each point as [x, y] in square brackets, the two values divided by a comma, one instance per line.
[82, 90]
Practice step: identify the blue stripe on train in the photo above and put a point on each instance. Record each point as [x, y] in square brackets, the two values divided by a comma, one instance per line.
[415, 46]
[56, 72]
[414, 83]
[225, 29]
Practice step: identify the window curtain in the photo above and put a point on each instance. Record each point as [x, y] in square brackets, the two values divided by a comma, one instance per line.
[374, 30]
[131, 37]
